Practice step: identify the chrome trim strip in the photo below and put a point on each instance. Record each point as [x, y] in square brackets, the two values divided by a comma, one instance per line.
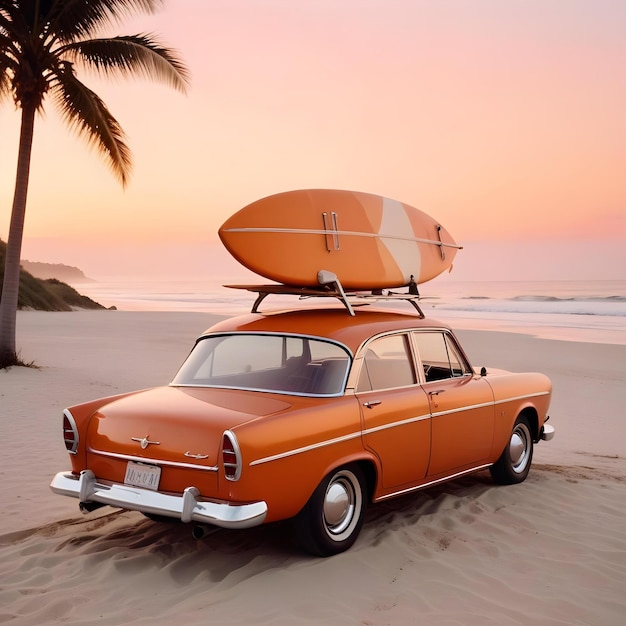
[281, 392]
[142, 459]
[410, 420]
[368, 431]
[315, 446]
[330, 442]
[492, 403]
[470, 407]
[432, 482]
[524, 397]
[273, 333]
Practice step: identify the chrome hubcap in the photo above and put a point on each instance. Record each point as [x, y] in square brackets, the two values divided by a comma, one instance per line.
[519, 448]
[339, 505]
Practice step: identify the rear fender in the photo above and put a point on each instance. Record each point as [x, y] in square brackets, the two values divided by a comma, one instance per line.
[80, 414]
[294, 479]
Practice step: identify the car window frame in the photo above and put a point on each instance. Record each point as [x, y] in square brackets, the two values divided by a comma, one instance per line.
[359, 362]
[449, 338]
[357, 365]
[282, 335]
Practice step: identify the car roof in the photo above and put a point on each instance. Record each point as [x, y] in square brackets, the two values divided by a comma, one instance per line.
[332, 323]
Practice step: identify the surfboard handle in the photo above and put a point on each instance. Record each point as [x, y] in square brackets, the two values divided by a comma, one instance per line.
[441, 248]
[331, 231]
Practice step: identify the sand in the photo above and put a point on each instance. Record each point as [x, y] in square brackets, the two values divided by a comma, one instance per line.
[549, 551]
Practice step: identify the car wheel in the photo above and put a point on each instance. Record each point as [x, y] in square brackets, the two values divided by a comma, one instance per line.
[514, 463]
[331, 520]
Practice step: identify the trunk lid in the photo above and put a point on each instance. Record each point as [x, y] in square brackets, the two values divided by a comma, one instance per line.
[182, 425]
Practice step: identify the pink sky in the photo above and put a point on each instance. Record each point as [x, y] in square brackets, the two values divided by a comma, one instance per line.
[504, 120]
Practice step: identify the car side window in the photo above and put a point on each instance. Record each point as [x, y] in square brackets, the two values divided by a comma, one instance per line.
[387, 363]
[439, 356]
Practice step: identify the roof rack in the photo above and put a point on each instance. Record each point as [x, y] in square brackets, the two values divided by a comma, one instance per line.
[330, 287]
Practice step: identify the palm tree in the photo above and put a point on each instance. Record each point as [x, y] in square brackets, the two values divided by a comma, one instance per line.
[40, 43]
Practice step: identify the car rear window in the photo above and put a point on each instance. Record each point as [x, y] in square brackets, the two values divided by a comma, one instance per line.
[266, 362]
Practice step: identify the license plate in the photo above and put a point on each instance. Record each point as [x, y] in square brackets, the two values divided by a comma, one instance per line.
[139, 475]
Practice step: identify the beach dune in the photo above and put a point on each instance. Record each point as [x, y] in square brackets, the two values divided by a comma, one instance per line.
[551, 550]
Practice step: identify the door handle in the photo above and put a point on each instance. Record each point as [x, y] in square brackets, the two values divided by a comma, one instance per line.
[436, 393]
[372, 404]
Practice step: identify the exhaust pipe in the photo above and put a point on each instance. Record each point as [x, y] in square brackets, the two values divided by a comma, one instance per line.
[198, 532]
[88, 507]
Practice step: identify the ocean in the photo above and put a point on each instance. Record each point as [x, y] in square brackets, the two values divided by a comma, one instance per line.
[571, 310]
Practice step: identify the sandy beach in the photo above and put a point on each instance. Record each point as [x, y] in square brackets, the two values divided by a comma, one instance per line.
[551, 551]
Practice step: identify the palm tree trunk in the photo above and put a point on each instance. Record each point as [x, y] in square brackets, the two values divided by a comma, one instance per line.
[10, 287]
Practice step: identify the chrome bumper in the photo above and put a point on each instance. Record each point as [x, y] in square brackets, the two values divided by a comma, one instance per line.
[547, 432]
[186, 507]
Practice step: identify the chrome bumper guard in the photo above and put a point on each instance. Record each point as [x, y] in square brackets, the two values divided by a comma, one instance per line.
[186, 507]
[547, 432]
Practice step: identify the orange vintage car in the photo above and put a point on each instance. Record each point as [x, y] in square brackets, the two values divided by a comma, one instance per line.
[308, 414]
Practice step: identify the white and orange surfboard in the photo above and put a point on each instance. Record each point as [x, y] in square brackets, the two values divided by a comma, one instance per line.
[368, 241]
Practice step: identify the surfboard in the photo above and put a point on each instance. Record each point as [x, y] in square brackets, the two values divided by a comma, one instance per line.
[367, 240]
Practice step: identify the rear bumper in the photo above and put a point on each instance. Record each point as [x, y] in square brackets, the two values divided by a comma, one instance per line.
[186, 507]
[547, 432]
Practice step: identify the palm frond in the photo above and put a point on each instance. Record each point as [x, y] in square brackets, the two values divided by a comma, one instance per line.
[4, 17]
[5, 84]
[7, 66]
[7, 18]
[40, 40]
[14, 25]
[88, 115]
[131, 54]
[72, 19]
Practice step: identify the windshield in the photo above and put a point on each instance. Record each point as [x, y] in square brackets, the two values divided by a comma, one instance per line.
[262, 362]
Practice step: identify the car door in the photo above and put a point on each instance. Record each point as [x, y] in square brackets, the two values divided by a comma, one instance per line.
[395, 410]
[461, 405]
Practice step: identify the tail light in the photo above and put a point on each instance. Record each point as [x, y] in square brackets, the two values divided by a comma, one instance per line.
[70, 432]
[231, 456]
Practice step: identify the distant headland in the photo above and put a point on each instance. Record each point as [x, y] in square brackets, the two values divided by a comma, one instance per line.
[42, 289]
[66, 273]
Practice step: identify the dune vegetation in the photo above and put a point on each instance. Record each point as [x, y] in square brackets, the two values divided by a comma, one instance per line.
[46, 295]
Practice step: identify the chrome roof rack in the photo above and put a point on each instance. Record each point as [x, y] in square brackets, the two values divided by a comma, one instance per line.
[330, 287]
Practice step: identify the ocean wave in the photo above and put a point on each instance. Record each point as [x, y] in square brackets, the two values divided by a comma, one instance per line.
[545, 307]
[541, 299]
[589, 298]
[579, 299]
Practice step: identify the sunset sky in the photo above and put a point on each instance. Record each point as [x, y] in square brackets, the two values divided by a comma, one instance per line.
[504, 119]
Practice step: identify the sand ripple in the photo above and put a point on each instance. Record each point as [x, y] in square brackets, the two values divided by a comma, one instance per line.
[550, 551]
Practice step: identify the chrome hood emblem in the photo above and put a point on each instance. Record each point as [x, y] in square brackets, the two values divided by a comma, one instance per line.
[145, 441]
